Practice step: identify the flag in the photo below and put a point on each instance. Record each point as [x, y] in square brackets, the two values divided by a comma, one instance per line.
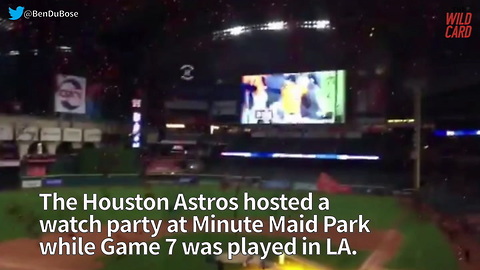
[327, 184]
[94, 96]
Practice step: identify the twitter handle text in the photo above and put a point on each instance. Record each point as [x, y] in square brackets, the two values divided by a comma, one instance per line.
[49, 14]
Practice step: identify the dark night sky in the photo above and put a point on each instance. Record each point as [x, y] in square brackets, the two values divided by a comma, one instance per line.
[122, 43]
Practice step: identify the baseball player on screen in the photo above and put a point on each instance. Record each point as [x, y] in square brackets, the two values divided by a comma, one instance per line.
[295, 88]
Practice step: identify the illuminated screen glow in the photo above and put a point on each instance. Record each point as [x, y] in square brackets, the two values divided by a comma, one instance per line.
[456, 133]
[136, 129]
[299, 156]
[136, 123]
[294, 98]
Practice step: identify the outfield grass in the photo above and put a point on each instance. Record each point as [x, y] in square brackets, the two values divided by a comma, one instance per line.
[424, 247]
[180, 261]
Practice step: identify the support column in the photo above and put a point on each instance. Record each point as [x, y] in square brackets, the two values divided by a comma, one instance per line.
[418, 136]
[51, 147]
[417, 85]
[23, 148]
[77, 145]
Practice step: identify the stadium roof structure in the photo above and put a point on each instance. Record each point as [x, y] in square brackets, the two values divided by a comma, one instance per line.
[179, 32]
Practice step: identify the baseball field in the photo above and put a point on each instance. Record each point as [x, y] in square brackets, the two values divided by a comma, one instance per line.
[398, 239]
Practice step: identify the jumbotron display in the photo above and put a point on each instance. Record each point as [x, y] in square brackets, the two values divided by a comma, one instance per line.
[294, 98]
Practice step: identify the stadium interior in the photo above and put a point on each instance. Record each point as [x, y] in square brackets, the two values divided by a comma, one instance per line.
[321, 100]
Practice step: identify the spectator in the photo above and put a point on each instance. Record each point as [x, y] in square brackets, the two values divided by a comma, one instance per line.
[219, 265]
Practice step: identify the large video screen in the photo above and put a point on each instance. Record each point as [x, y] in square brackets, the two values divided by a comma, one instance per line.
[294, 98]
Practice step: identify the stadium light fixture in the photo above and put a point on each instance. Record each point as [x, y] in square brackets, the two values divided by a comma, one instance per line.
[13, 53]
[64, 48]
[235, 31]
[213, 128]
[400, 121]
[276, 25]
[271, 26]
[320, 24]
[175, 126]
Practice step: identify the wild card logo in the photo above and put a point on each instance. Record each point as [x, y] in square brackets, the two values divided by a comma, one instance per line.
[458, 25]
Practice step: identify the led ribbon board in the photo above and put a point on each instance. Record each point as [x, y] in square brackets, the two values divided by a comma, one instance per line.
[456, 133]
[136, 123]
[299, 156]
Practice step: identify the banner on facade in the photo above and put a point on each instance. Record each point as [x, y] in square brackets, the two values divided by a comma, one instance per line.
[70, 94]
[72, 135]
[6, 133]
[52, 134]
